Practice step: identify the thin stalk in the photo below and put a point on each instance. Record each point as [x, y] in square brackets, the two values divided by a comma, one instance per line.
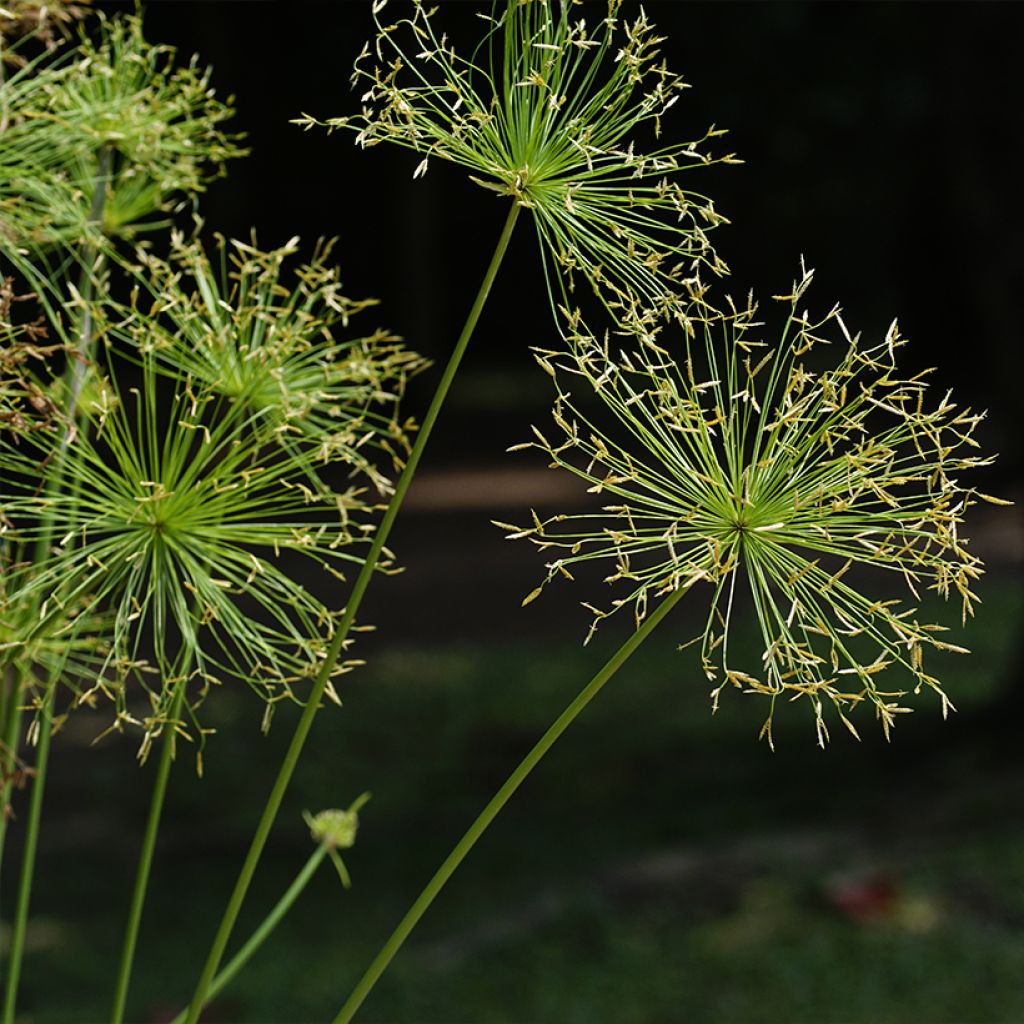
[344, 625]
[270, 922]
[145, 863]
[73, 377]
[7, 678]
[9, 752]
[28, 857]
[491, 811]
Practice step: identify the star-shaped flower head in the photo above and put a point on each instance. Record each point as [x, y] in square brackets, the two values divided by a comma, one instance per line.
[775, 474]
[184, 519]
[193, 502]
[549, 110]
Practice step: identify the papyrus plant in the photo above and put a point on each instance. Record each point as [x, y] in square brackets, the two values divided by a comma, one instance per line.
[219, 438]
[770, 474]
[560, 108]
[223, 421]
[163, 456]
[96, 138]
[175, 510]
[766, 472]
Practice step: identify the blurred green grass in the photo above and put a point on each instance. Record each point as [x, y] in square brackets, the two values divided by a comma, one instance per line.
[660, 866]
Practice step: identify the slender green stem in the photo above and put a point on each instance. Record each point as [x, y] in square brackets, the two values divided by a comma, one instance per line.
[491, 811]
[73, 377]
[341, 632]
[156, 805]
[28, 857]
[7, 678]
[270, 922]
[9, 753]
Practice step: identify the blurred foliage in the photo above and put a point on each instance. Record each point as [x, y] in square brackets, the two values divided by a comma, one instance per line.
[686, 875]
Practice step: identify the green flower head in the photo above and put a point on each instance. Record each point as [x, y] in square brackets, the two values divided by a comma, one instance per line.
[547, 111]
[214, 434]
[182, 517]
[336, 830]
[774, 477]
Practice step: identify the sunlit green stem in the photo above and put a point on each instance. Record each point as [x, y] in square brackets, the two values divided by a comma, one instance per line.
[270, 922]
[29, 855]
[145, 862]
[342, 630]
[491, 811]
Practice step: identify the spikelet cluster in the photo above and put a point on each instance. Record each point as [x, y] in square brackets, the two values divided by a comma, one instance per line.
[182, 516]
[769, 474]
[552, 111]
[46, 21]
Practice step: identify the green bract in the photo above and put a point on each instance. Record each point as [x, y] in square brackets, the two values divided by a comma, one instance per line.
[547, 112]
[744, 466]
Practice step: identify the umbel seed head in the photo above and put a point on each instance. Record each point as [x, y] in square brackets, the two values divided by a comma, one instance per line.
[773, 474]
[562, 112]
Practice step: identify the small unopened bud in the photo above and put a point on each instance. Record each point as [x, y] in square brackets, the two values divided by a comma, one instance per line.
[334, 828]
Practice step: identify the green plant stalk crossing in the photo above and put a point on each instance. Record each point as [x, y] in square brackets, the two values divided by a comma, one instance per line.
[145, 862]
[498, 801]
[344, 625]
[262, 933]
